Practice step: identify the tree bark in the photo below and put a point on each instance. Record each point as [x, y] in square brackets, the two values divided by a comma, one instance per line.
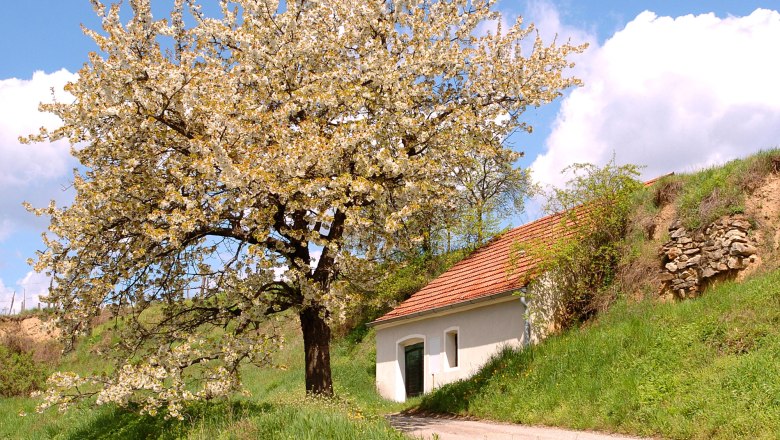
[427, 246]
[480, 226]
[316, 345]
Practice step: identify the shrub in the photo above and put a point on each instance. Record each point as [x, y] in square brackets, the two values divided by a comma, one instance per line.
[19, 373]
[47, 351]
[581, 261]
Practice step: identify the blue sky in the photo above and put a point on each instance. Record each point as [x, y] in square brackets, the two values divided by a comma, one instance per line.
[46, 34]
[675, 89]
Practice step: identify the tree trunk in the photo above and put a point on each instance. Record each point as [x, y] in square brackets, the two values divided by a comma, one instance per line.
[427, 247]
[480, 226]
[316, 345]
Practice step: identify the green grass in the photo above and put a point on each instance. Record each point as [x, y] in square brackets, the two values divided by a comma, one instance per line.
[353, 366]
[277, 406]
[704, 368]
[276, 409]
[707, 368]
[717, 191]
[235, 419]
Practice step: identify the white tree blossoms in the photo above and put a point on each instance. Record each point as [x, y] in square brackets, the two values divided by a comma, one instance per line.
[220, 149]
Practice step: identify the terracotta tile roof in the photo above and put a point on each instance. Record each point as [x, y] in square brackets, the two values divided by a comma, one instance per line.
[486, 271]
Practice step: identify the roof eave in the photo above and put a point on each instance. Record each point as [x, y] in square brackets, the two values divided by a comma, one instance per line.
[440, 309]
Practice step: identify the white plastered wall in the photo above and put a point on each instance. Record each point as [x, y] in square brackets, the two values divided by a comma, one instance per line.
[483, 329]
[544, 302]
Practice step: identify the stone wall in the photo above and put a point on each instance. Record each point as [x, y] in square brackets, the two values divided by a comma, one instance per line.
[692, 259]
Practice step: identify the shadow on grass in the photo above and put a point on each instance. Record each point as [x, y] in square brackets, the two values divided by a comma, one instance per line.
[455, 397]
[124, 424]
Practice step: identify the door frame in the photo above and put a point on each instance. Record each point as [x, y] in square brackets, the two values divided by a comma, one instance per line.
[400, 363]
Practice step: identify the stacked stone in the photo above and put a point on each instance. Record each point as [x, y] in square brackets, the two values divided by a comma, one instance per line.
[692, 258]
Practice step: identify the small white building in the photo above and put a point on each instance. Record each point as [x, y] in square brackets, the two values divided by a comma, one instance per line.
[451, 327]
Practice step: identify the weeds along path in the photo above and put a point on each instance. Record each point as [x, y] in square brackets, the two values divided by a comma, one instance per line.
[459, 429]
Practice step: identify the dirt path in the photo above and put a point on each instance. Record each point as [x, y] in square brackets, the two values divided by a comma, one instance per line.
[457, 429]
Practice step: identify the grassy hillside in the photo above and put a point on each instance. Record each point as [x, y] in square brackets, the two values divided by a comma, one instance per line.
[276, 409]
[277, 406]
[705, 368]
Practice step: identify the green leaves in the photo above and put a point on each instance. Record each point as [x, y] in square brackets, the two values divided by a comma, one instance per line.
[580, 262]
[266, 156]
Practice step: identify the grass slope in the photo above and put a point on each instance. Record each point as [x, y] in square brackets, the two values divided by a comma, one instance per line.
[704, 368]
[276, 409]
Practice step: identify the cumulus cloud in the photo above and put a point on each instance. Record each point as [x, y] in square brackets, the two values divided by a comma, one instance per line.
[547, 20]
[35, 173]
[6, 226]
[5, 298]
[674, 94]
[279, 271]
[27, 293]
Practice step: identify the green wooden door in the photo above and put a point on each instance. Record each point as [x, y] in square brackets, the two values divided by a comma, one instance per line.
[414, 370]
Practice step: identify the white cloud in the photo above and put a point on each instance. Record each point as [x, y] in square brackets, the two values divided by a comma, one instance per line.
[5, 297]
[30, 172]
[674, 94]
[548, 23]
[34, 285]
[6, 226]
[19, 116]
[280, 271]
[27, 292]
[491, 26]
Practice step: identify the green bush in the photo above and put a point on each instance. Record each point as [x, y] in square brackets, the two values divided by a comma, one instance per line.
[19, 373]
[582, 258]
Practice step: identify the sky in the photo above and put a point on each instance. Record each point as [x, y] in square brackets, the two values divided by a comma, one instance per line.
[671, 85]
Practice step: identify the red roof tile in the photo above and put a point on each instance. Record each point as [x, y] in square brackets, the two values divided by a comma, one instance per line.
[488, 271]
[485, 272]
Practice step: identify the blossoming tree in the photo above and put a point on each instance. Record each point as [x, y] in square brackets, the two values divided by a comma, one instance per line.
[217, 152]
[490, 194]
